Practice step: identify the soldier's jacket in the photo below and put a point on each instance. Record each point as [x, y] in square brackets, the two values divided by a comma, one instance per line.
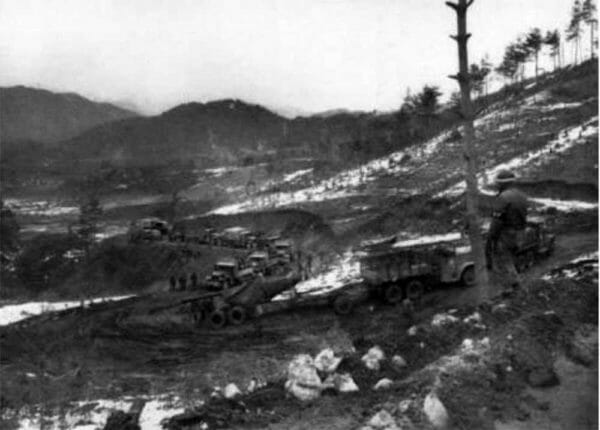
[509, 218]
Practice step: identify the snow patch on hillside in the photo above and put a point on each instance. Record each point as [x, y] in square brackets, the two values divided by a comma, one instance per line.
[567, 138]
[11, 314]
[345, 183]
[564, 205]
[95, 413]
[297, 174]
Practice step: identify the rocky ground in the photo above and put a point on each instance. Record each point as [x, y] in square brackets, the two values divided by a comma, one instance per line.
[488, 366]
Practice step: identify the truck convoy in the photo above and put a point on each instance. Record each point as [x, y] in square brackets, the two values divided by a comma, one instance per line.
[390, 269]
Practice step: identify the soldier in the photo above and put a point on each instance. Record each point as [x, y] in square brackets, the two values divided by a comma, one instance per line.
[509, 219]
[182, 282]
[194, 280]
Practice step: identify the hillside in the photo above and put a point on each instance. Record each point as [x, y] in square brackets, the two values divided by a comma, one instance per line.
[215, 129]
[537, 131]
[47, 117]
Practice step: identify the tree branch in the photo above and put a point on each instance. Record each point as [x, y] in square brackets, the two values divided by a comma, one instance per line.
[470, 2]
[452, 5]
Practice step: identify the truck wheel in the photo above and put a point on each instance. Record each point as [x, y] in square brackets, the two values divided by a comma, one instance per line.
[394, 293]
[342, 305]
[415, 290]
[217, 319]
[467, 278]
[237, 315]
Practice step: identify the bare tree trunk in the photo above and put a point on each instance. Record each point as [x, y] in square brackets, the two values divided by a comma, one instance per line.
[472, 192]
[591, 40]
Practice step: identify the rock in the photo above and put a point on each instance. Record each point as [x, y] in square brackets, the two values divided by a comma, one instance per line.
[301, 392]
[303, 381]
[583, 348]
[412, 331]
[232, 391]
[467, 344]
[435, 411]
[298, 363]
[473, 318]
[216, 393]
[543, 377]
[398, 361]
[404, 405]
[252, 386]
[499, 308]
[383, 384]
[383, 420]
[440, 320]
[326, 361]
[373, 358]
[343, 383]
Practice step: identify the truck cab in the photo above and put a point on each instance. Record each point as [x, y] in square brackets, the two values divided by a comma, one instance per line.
[228, 273]
[283, 250]
[149, 229]
[259, 261]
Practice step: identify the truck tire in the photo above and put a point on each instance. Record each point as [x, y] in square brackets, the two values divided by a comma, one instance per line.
[394, 293]
[237, 315]
[467, 277]
[343, 305]
[415, 290]
[217, 319]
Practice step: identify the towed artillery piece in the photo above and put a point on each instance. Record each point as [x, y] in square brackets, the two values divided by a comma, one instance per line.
[231, 304]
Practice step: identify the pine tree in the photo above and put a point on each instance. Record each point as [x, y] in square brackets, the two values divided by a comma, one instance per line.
[588, 15]
[533, 43]
[552, 39]
[574, 29]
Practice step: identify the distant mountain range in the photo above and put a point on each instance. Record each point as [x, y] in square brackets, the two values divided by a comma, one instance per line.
[43, 116]
[216, 129]
[45, 133]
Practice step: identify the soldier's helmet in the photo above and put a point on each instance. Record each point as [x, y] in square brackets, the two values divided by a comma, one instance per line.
[505, 177]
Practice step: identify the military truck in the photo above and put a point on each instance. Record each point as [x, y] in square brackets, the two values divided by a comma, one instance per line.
[228, 272]
[235, 237]
[149, 229]
[405, 269]
[283, 249]
[537, 243]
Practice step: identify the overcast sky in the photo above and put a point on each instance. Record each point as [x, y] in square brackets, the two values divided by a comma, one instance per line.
[310, 55]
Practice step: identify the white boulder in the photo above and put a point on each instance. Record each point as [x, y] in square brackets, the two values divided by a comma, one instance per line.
[342, 383]
[398, 361]
[412, 331]
[435, 411]
[326, 361]
[473, 318]
[440, 320]
[373, 357]
[303, 381]
[383, 384]
[383, 420]
[404, 405]
[231, 391]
